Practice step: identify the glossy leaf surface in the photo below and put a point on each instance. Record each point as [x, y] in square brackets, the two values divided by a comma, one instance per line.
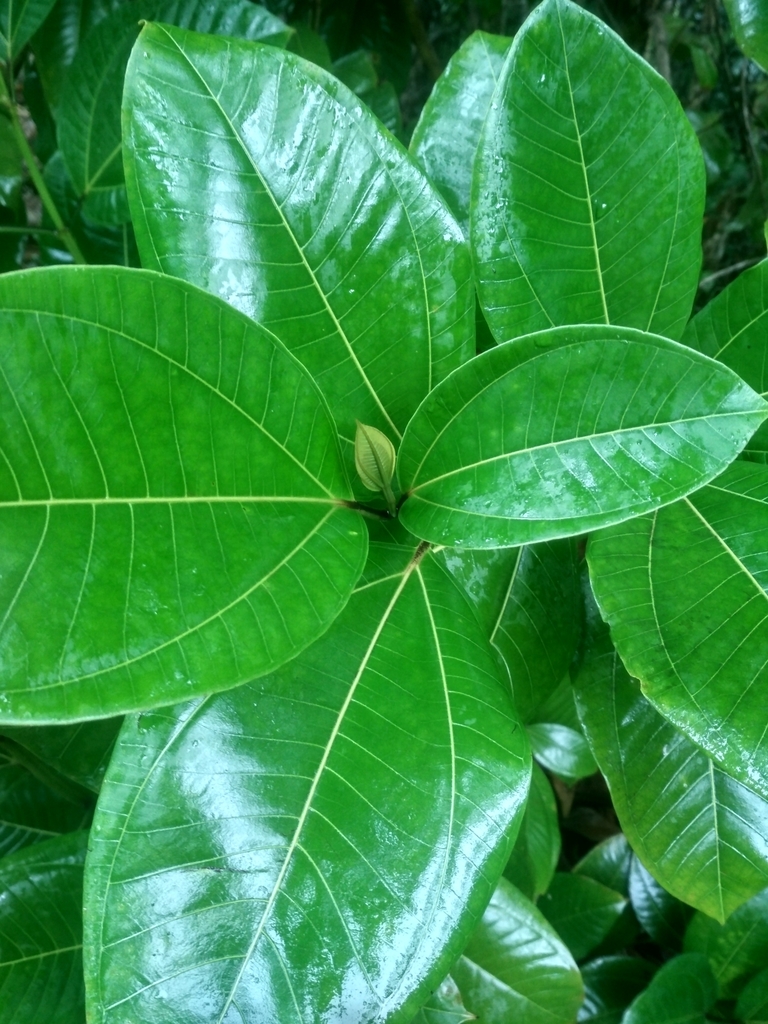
[336, 828]
[186, 497]
[681, 992]
[80, 751]
[661, 915]
[685, 593]
[444, 1006]
[339, 245]
[702, 834]
[630, 422]
[529, 602]
[609, 863]
[19, 19]
[752, 1006]
[589, 189]
[445, 140]
[735, 949]
[610, 985]
[749, 21]
[732, 328]
[532, 864]
[515, 968]
[30, 812]
[40, 932]
[561, 750]
[581, 910]
[89, 116]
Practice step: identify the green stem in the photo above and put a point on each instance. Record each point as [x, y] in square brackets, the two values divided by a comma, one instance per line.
[13, 230]
[34, 172]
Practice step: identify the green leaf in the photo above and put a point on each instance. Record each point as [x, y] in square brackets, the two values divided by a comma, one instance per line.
[608, 423]
[735, 949]
[610, 985]
[89, 111]
[337, 244]
[703, 835]
[187, 497]
[379, 26]
[752, 1006]
[80, 751]
[588, 191]
[19, 20]
[341, 828]
[536, 852]
[661, 915]
[515, 968]
[374, 458]
[445, 140]
[560, 705]
[680, 993]
[732, 328]
[40, 932]
[608, 863]
[581, 910]
[684, 591]
[30, 812]
[444, 1006]
[749, 21]
[562, 751]
[306, 43]
[529, 602]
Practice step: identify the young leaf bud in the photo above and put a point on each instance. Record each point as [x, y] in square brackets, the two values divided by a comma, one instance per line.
[375, 461]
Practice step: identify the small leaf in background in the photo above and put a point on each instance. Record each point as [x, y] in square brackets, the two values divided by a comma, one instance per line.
[704, 834]
[732, 328]
[186, 497]
[445, 140]
[752, 1007]
[581, 910]
[749, 21]
[610, 985]
[685, 593]
[736, 949]
[682, 990]
[81, 751]
[515, 968]
[378, 26]
[356, 70]
[306, 43]
[41, 932]
[348, 803]
[444, 1006]
[560, 705]
[662, 916]
[638, 422]
[369, 285]
[534, 857]
[588, 197]
[608, 863]
[562, 751]
[18, 22]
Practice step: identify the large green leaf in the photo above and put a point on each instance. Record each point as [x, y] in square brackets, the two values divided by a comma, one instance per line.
[315, 221]
[702, 834]
[529, 602]
[610, 985]
[515, 968]
[335, 830]
[680, 993]
[534, 857]
[80, 751]
[41, 934]
[589, 187]
[188, 496]
[565, 431]
[732, 328]
[89, 111]
[581, 910]
[684, 591]
[735, 949]
[445, 140]
[19, 19]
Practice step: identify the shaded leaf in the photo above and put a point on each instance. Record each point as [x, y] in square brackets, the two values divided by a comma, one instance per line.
[732, 328]
[581, 910]
[610, 985]
[681, 992]
[752, 1006]
[445, 140]
[19, 19]
[534, 857]
[338, 244]
[306, 43]
[684, 591]
[703, 835]
[80, 751]
[661, 915]
[609, 863]
[749, 21]
[334, 828]
[189, 494]
[638, 422]
[735, 949]
[516, 968]
[562, 751]
[40, 932]
[589, 189]
[444, 1006]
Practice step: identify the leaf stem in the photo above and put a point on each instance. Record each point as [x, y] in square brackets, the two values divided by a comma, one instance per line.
[368, 510]
[34, 172]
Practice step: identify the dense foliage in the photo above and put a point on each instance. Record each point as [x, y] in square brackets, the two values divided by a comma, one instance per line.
[336, 479]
